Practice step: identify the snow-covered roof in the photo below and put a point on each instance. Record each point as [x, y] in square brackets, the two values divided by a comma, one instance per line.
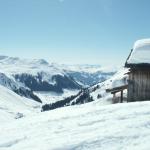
[140, 53]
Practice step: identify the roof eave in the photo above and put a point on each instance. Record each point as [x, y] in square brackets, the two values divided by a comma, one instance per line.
[138, 66]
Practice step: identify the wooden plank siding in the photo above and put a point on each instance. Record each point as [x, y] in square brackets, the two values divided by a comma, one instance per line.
[139, 85]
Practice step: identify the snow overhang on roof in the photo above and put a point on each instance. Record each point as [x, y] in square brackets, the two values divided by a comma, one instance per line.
[140, 55]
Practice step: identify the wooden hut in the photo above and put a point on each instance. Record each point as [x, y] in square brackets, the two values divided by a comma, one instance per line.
[139, 72]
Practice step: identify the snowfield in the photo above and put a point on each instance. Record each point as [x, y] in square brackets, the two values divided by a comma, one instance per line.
[52, 97]
[85, 127]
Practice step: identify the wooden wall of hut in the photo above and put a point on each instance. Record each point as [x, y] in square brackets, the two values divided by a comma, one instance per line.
[139, 85]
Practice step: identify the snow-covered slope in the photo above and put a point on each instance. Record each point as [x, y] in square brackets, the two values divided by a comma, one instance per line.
[13, 106]
[85, 127]
[94, 93]
[9, 82]
[98, 91]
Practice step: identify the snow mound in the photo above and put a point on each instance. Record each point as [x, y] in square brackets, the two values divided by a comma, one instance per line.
[140, 53]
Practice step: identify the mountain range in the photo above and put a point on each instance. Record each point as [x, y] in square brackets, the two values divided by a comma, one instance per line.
[24, 76]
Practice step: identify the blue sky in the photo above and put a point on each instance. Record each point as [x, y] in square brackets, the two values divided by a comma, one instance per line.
[73, 31]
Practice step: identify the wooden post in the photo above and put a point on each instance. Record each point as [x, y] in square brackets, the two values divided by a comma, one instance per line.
[121, 98]
[114, 95]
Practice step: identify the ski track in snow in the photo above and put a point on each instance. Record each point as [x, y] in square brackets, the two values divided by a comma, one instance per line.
[11, 143]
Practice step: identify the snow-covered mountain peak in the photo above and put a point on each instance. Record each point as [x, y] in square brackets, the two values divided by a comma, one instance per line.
[40, 62]
[6, 59]
[13, 65]
[16, 60]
